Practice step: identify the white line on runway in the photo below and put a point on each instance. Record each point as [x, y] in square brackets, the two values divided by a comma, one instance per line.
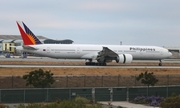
[60, 66]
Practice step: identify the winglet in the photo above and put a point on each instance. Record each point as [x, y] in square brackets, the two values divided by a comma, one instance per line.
[27, 35]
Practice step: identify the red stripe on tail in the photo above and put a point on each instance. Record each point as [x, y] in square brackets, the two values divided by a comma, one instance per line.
[24, 36]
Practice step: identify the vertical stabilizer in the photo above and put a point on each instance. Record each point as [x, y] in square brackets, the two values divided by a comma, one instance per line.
[27, 35]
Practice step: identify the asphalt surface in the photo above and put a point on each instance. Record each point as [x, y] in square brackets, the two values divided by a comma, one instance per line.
[126, 104]
[32, 58]
[46, 59]
[72, 66]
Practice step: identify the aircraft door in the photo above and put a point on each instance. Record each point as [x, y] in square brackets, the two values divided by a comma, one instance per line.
[161, 52]
[78, 50]
[141, 54]
[48, 50]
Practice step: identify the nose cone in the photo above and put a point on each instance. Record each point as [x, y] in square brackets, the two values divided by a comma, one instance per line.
[170, 54]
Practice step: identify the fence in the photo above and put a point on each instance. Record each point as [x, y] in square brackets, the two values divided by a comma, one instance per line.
[95, 94]
[89, 81]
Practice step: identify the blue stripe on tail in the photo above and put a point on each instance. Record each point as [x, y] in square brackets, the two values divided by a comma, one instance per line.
[29, 32]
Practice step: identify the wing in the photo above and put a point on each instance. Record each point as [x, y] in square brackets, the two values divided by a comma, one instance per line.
[29, 48]
[108, 52]
[106, 55]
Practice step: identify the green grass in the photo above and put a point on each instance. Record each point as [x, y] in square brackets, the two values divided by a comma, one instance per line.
[78, 102]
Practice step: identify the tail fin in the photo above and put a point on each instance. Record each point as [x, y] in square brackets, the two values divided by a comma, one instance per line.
[28, 37]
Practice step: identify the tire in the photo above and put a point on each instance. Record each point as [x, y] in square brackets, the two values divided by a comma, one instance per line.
[160, 64]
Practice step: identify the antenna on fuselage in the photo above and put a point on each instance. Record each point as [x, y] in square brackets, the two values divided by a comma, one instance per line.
[120, 42]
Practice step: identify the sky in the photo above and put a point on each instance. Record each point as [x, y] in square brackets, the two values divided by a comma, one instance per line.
[132, 22]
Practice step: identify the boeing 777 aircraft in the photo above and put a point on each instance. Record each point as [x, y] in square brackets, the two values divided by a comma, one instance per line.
[101, 53]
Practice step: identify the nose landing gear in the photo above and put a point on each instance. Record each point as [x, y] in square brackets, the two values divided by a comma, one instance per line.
[160, 63]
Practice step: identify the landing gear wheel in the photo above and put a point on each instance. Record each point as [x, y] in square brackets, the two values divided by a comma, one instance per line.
[160, 64]
[90, 63]
[95, 64]
[101, 64]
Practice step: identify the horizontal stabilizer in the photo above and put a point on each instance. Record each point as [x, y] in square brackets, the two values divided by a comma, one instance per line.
[29, 48]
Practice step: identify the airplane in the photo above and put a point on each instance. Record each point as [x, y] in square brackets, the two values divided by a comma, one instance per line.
[101, 54]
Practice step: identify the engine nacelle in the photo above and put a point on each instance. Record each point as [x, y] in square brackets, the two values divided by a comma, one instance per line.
[124, 58]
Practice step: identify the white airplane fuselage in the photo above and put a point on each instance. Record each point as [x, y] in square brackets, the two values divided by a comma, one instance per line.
[75, 51]
[101, 53]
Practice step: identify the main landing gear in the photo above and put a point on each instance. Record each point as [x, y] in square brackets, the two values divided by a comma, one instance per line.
[160, 63]
[90, 63]
[95, 64]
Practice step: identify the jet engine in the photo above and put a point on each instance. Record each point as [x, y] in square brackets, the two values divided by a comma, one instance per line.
[124, 58]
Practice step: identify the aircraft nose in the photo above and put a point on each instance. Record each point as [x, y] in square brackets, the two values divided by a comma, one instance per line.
[170, 54]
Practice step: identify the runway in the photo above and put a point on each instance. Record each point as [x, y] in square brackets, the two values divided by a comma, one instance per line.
[72, 66]
[47, 59]
[44, 60]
